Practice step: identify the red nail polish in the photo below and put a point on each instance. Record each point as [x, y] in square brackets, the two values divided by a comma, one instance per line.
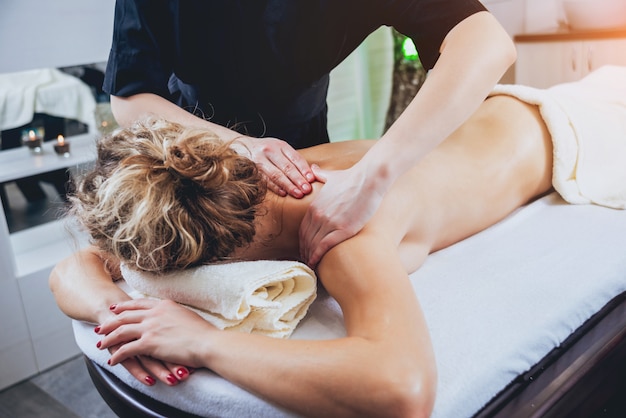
[149, 380]
[109, 362]
[96, 329]
[112, 307]
[172, 379]
[98, 344]
[182, 372]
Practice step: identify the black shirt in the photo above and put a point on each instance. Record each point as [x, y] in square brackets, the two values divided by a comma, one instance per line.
[260, 66]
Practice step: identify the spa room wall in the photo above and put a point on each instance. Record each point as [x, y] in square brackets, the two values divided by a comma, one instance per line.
[35, 34]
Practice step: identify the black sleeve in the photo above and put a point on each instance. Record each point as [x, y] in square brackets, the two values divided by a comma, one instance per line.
[142, 48]
[428, 22]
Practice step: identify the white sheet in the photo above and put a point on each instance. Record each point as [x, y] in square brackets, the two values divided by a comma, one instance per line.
[495, 303]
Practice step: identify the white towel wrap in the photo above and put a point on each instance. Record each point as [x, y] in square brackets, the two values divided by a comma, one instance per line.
[587, 121]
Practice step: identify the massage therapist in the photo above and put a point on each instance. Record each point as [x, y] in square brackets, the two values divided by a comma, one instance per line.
[258, 71]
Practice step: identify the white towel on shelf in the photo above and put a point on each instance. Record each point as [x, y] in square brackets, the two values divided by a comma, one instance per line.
[265, 297]
[49, 91]
[587, 121]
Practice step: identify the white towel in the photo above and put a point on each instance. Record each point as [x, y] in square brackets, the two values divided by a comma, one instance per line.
[49, 91]
[265, 297]
[587, 121]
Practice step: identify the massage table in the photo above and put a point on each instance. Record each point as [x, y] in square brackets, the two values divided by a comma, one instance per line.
[527, 318]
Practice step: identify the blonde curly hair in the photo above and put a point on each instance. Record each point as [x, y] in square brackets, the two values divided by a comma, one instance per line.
[163, 196]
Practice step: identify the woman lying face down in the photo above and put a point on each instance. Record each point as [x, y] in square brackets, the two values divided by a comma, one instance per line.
[163, 197]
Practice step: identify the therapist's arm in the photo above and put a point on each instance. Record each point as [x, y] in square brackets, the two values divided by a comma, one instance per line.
[474, 56]
[287, 171]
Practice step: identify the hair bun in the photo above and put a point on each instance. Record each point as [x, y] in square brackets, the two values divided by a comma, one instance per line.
[207, 163]
[163, 196]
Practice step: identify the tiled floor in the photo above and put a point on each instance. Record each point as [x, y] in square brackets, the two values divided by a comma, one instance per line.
[65, 391]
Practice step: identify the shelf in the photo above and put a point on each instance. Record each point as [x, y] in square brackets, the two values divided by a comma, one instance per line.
[571, 36]
[21, 162]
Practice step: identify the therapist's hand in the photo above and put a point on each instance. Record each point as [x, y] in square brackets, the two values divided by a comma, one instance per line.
[347, 201]
[286, 170]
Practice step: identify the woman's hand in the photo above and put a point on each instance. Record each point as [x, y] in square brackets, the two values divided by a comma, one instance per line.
[340, 210]
[145, 369]
[286, 170]
[162, 330]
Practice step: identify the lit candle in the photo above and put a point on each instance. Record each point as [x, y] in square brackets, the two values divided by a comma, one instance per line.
[33, 142]
[62, 147]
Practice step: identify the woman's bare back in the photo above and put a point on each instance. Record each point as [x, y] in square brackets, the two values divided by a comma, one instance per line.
[497, 161]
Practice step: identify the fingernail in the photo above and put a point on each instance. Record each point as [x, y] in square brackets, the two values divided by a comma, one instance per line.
[297, 193]
[98, 344]
[306, 187]
[172, 379]
[182, 372]
[310, 177]
[112, 307]
[150, 380]
[109, 362]
[96, 329]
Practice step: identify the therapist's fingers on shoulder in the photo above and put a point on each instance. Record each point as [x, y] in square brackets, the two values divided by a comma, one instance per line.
[300, 185]
[319, 174]
[271, 184]
[278, 182]
[287, 174]
[325, 244]
[298, 175]
[300, 163]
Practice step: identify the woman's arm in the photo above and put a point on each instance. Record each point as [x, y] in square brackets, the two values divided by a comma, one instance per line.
[84, 290]
[83, 287]
[383, 367]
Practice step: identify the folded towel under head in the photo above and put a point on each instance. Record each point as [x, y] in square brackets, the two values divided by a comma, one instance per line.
[265, 297]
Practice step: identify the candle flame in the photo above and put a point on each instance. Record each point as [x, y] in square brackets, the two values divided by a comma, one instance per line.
[60, 140]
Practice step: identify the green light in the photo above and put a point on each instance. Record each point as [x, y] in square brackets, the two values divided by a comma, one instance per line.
[408, 50]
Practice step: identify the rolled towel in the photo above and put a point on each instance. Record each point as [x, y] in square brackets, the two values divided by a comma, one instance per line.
[264, 297]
